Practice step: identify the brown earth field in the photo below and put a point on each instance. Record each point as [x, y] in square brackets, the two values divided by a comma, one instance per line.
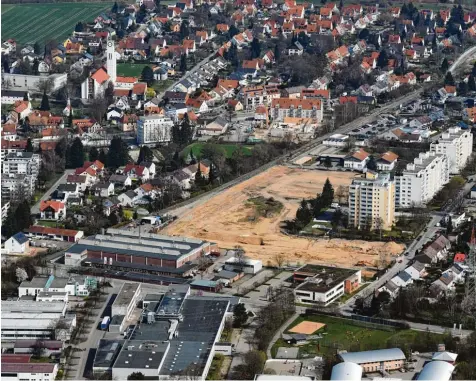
[225, 219]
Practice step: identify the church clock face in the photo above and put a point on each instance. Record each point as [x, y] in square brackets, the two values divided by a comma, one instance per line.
[109, 43]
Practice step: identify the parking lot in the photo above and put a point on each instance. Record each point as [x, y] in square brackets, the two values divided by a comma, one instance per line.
[385, 123]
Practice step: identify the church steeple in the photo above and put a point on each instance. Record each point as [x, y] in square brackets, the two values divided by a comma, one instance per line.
[111, 60]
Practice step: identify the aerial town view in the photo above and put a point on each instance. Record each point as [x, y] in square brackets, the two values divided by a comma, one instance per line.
[238, 190]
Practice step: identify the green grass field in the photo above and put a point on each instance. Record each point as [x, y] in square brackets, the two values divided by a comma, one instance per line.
[196, 148]
[29, 23]
[342, 334]
[130, 69]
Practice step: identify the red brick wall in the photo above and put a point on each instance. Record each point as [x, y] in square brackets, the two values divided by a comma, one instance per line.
[139, 260]
[94, 254]
[154, 262]
[123, 258]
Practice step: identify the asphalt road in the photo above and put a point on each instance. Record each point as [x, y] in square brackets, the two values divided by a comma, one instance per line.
[35, 209]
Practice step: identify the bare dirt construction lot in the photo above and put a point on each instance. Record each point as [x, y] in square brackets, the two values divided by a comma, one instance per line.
[228, 219]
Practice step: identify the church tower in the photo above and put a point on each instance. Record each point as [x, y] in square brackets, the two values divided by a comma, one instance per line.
[111, 61]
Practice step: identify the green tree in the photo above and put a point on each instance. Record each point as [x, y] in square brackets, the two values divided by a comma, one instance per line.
[45, 104]
[29, 146]
[61, 148]
[93, 154]
[473, 70]
[114, 8]
[186, 131]
[449, 80]
[183, 63]
[25, 96]
[176, 134]
[145, 154]
[444, 65]
[233, 31]
[135, 216]
[255, 48]
[37, 47]
[147, 75]
[327, 162]
[118, 154]
[471, 83]
[449, 226]
[184, 29]
[102, 156]
[136, 376]
[240, 316]
[75, 157]
[277, 52]
[303, 215]
[199, 179]
[327, 195]
[382, 60]
[79, 27]
[372, 164]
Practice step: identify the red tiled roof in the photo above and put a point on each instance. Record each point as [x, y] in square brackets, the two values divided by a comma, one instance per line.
[389, 157]
[14, 144]
[21, 106]
[9, 129]
[48, 146]
[56, 205]
[126, 79]
[56, 231]
[360, 155]
[139, 169]
[100, 76]
[76, 179]
[121, 92]
[28, 368]
[15, 358]
[139, 88]
[305, 104]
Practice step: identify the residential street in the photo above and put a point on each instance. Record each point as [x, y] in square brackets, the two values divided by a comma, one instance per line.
[35, 209]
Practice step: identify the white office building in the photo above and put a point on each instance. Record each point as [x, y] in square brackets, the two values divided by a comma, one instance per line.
[153, 129]
[457, 144]
[77, 285]
[33, 83]
[29, 371]
[421, 180]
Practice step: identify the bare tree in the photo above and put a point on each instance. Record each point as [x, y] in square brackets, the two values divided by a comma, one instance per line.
[279, 259]
[7, 84]
[38, 349]
[240, 256]
[45, 85]
[341, 194]
[378, 223]
[98, 107]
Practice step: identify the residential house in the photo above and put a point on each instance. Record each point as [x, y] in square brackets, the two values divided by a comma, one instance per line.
[402, 279]
[52, 210]
[120, 181]
[417, 270]
[356, 160]
[103, 189]
[128, 198]
[136, 172]
[81, 181]
[17, 244]
[387, 161]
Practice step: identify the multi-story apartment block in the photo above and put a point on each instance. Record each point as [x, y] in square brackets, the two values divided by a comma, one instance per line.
[21, 163]
[372, 202]
[457, 144]
[296, 108]
[19, 173]
[421, 180]
[154, 129]
[259, 95]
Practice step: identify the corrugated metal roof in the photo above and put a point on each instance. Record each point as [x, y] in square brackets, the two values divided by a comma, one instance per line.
[436, 371]
[373, 356]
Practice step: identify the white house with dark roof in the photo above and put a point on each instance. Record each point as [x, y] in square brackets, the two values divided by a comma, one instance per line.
[17, 244]
[402, 279]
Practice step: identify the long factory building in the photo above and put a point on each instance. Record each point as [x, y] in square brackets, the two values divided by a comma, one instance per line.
[135, 248]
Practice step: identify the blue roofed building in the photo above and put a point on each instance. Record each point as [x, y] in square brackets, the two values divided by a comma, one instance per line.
[17, 244]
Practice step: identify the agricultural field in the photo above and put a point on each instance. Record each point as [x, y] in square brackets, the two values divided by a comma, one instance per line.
[29, 23]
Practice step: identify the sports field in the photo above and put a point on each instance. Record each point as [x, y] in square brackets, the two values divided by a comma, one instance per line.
[29, 23]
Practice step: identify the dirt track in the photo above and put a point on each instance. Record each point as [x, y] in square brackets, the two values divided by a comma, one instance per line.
[225, 219]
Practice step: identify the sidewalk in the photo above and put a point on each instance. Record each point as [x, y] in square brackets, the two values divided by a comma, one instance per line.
[278, 334]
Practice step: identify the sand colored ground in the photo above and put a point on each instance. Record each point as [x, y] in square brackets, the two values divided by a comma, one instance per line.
[224, 219]
[307, 327]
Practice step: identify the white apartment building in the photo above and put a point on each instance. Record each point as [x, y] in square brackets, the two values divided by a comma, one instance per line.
[259, 95]
[14, 186]
[372, 200]
[24, 82]
[457, 144]
[421, 180]
[296, 108]
[21, 163]
[154, 129]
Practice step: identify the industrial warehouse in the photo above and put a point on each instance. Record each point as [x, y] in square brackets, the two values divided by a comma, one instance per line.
[174, 337]
[138, 252]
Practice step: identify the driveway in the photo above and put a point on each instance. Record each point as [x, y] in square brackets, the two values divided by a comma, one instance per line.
[35, 209]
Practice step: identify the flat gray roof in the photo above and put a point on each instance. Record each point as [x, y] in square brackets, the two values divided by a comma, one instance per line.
[107, 353]
[126, 293]
[141, 354]
[41, 281]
